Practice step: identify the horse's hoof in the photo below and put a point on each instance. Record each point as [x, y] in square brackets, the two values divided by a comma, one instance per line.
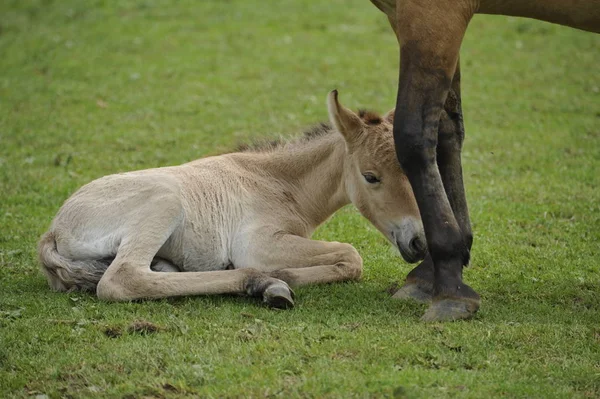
[279, 295]
[450, 309]
[413, 292]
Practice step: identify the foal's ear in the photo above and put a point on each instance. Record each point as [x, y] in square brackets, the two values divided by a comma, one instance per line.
[344, 120]
[389, 117]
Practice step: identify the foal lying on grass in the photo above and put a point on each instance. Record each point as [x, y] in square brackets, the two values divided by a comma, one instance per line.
[235, 223]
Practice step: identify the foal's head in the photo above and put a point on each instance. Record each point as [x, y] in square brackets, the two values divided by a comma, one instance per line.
[375, 182]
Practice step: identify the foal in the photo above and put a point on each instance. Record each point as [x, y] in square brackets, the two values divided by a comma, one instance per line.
[235, 223]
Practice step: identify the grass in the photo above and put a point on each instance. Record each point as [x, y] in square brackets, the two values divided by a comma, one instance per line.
[97, 87]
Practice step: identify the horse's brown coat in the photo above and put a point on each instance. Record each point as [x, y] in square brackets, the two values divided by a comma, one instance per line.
[429, 130]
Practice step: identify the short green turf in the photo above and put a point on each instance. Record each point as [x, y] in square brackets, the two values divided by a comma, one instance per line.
[89, 88]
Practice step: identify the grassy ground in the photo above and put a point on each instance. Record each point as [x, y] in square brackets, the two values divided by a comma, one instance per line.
[97, 87]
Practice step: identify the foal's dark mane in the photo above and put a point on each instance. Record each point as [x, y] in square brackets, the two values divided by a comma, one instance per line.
[316, 131]
[266, 145]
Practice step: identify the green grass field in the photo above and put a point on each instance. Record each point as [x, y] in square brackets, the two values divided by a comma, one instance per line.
[97, 87]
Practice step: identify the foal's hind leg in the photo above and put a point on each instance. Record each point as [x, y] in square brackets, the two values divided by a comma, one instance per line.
[130, 277]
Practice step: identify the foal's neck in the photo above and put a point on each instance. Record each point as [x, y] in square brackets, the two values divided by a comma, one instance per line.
[313, 171]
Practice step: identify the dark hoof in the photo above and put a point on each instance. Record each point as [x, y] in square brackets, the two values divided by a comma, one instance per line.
[413, 292]
[279, 295]
[450, 309]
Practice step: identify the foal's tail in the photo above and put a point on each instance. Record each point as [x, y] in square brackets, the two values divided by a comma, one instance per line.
[66, 274]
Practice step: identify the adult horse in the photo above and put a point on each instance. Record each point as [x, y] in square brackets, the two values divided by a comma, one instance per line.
[429, 124]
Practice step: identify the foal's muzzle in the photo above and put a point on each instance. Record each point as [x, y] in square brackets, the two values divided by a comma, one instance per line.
[412, 249]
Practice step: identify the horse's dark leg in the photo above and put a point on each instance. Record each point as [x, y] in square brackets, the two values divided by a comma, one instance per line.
[430, 33]
[419, 282]
[418, 285]
[451, 134]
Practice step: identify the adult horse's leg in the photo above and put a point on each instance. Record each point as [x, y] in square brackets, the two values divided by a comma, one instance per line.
[430, 34]
[419, 282]
[451, 135]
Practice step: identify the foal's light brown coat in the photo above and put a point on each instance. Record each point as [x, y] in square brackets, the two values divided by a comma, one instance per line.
[235, 223]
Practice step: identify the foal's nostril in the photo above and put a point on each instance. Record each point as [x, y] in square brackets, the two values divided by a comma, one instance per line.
[418, 245]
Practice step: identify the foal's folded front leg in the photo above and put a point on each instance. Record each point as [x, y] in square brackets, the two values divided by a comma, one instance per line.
[300, 261]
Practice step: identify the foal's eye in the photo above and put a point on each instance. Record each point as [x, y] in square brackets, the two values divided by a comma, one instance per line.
[371, 178]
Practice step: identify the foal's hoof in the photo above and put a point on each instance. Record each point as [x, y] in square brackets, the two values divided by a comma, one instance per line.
[279, 295]
[413, 292]
[450, 309]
